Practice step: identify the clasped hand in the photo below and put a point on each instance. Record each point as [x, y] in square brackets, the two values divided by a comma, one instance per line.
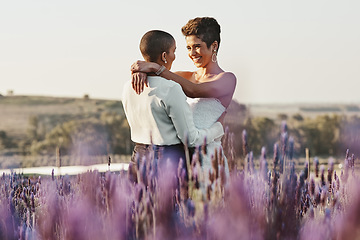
[139, 76]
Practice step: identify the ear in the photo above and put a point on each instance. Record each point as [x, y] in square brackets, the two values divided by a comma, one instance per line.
[215, 45]
[163, 56]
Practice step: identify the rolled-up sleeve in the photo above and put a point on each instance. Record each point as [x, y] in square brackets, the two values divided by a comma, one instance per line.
[180, 113]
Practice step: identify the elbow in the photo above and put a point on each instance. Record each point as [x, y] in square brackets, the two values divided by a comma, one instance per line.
[190, 93]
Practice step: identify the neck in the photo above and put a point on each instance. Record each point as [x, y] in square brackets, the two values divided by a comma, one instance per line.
[210, 69]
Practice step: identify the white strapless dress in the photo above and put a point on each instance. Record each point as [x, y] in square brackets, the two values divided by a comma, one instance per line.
[206, 112]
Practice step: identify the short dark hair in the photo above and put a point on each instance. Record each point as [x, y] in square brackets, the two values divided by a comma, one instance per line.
[205, 28]
[154, 43]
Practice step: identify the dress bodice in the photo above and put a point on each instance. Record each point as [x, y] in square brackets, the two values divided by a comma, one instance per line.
[206, 111]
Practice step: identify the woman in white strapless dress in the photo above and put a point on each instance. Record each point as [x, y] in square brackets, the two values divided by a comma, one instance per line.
[210, 87]
[206, 111]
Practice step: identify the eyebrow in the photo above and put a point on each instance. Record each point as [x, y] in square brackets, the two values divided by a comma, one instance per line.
[196, 44]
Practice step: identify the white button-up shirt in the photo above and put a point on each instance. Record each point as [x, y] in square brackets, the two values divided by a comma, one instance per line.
[161, 115]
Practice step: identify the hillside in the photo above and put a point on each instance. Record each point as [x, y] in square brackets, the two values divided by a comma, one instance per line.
[306, 110]
[17, 110]
[39, 124]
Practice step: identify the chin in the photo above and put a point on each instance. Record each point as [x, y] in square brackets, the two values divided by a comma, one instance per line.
[197, 64]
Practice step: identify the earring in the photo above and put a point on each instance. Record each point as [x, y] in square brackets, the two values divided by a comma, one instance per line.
[214, 57]
[165, 61]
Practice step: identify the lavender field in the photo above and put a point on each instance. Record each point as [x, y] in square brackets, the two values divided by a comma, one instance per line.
[271, 201]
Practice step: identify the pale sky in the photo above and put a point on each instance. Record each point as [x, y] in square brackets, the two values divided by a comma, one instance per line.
[282, 51]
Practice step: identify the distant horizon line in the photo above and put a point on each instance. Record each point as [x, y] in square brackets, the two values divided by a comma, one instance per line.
[234, 99]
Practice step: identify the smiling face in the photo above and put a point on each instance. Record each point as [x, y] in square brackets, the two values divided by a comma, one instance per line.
[198, 51]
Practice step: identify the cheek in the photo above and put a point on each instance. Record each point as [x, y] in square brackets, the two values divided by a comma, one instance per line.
[207, 53]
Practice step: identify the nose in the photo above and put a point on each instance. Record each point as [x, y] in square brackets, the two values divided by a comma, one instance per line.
[192, 52]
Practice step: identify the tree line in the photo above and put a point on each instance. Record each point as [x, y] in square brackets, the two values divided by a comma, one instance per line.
[108, 132]
[324, 135]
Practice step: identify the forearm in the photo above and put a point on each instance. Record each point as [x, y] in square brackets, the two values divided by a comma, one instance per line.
[182, 118]
[193, 90]
[154, 67]
[188, 87]
[196, 138]
[189, 134]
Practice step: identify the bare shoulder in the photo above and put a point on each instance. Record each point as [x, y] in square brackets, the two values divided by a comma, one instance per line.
[227, 75]
[184, 74]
